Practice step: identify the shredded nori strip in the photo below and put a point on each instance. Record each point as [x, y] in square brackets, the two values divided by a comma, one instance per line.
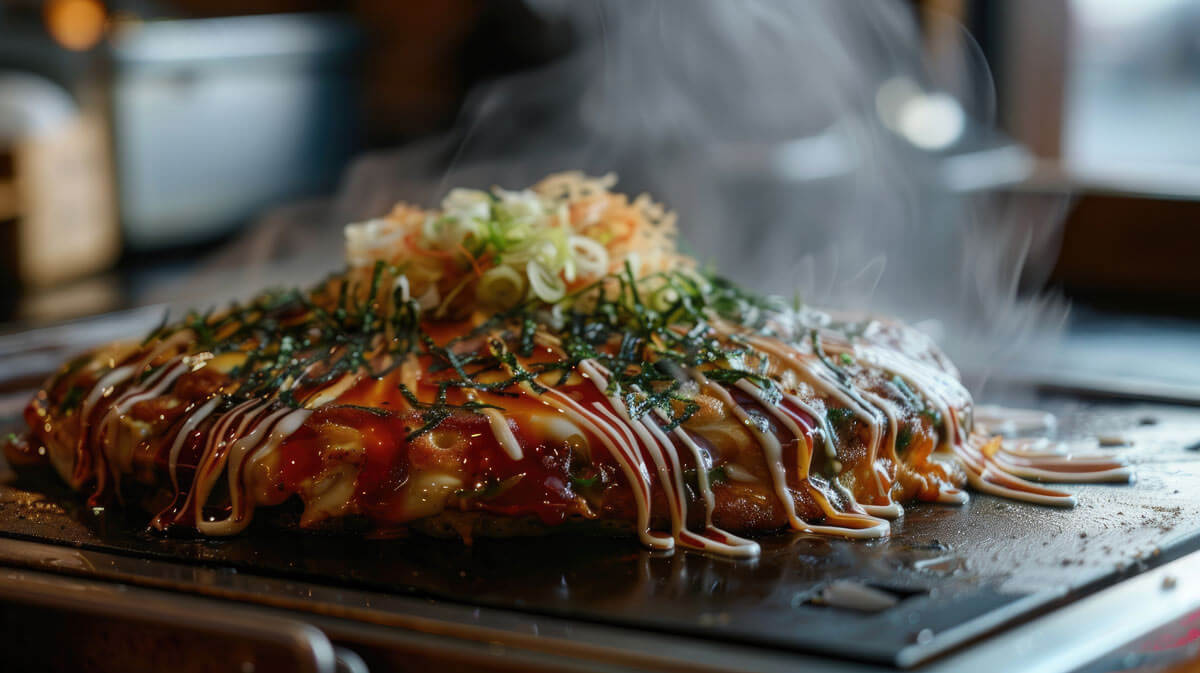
[294, 343]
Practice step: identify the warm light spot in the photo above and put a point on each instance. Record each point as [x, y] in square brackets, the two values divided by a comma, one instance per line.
[75, 24]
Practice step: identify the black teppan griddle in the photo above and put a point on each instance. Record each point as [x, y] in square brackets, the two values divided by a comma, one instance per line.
[958, 573]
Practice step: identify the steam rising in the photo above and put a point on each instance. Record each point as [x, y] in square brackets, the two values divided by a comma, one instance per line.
[798, 141]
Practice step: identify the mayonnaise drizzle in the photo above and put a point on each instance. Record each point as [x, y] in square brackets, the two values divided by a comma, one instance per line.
[103, 388]
[269, 434]
[500, 431]
[998, 473]
[181, 436]
[856, 525]
[670, 475]
[244, 436]
[816, 375]
[728, 544]
[892, 509]
[212, 462]
[772, 450]
[110, 422]
[625, 455]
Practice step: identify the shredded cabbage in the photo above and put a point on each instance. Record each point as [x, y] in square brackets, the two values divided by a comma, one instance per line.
[505, 247]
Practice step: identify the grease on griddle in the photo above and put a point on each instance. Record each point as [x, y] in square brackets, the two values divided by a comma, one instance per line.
[860, 596]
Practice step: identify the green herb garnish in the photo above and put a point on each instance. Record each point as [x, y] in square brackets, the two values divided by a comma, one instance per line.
[584, 482]
[295, 342]
[839, 417]
[716, 475]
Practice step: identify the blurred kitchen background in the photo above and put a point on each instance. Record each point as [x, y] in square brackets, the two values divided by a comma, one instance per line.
[137, 138]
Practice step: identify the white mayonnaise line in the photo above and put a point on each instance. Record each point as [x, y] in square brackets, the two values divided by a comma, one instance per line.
[821, 382]
[813, 371]
[949, 495]
[732, 545]
[925, 380]
[672, 482]
[793, 427]
[997, 471]
[620, 448]
[1069, 464]
[1035, 448]
[103, 388]
[1064, 467]
[981, 482]
[499, 425]
[1057, 457]
[937, 383]
[873, 527]
[635, 473]
[500, 430]
[285, 428]
[860, 407]
[983, 476]
[149, 388]
[825, 432]
[330, 392]
[277, 427]
[1006, 469]
[661, 450]
[627, 441]
[813, 374]
[181, 435]
[1112, 475]
[213, 459]
[179, 338]
[772, 450]
[893, 509]
[110, 423]
[952, 496]
[994, 473]
[676, 496]
[238, 449]
[800, 434]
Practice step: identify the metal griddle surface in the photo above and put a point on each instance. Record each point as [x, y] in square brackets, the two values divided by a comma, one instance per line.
[958, 572]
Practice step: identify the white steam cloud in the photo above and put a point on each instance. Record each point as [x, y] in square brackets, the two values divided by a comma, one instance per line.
[807, 147]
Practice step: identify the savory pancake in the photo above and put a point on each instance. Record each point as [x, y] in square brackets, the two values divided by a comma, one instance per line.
[516, 362]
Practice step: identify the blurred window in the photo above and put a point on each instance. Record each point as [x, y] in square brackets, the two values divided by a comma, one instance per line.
[1133, 88]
